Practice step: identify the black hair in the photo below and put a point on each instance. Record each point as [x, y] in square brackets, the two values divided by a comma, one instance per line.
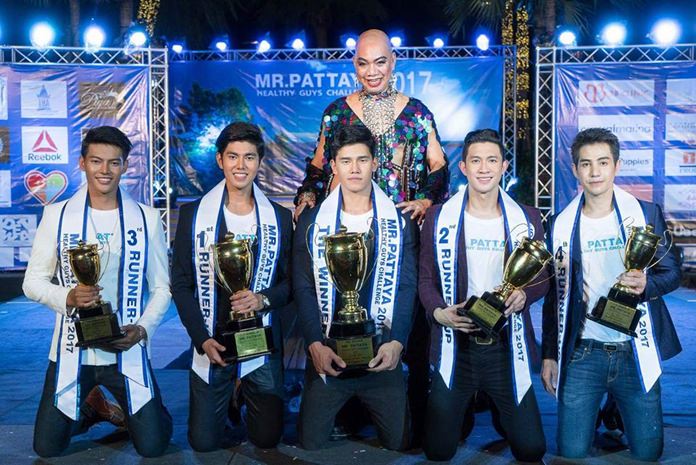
[244, 132]
[482, 135]
[591, 136]
[349, 135]
[107, 135]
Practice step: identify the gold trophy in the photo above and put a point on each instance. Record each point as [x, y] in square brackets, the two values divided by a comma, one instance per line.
[97, 324]
[618, 310]
[244, 335]
[523, 265]
[352, 334]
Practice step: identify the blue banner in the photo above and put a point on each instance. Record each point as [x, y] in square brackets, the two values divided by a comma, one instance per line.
[652, 110]
[44, 113]
[287, 99]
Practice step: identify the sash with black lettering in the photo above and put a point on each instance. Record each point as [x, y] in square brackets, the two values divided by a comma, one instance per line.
[564, 228]
[446, 238]
[206, 224]
[388, 242]
[133, 363]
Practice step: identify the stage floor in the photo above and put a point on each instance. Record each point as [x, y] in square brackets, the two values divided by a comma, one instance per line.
[25, 333]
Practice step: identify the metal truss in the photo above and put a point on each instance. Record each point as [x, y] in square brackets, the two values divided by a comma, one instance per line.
[509, 124]
[156, 61]
[544, 109]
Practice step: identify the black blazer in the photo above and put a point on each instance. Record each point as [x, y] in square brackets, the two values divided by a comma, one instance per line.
[184, 290]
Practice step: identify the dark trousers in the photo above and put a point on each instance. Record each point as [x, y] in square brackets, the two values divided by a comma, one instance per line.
[383, 393]
[150, 428]
[485, 368]
[262, 390]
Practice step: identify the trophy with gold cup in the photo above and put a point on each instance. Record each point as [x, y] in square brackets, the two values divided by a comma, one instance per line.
[619, 309]
[244, 335]
[524, 264]
[352, 334]
[97, 324]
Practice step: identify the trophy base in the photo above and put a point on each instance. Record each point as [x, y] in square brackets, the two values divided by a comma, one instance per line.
[487, 312]
[618, 315]
[355, 343]
[97, 330]
[247, 343]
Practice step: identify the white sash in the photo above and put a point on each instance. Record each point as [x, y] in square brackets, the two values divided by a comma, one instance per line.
[446, 239]
[133, 363]
[563, 234]
[205, 229]
[388, 244]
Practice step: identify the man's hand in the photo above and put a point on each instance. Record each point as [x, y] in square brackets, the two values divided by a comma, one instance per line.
[388, 356]
[246, 301]
[515, 302]
[307, 200]
[83, 296]
[418, 207]
[549, 375]
[634, 280]
[449, 317]
[323, 357]
[132, 337]
[212, 349]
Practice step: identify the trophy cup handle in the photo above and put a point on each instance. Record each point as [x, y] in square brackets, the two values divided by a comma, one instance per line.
[107, 247]
[623, 226]
[505, 243]
[315, 239]
[667, 236]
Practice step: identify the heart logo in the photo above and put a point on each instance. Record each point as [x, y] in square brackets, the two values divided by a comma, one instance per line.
[45, 187]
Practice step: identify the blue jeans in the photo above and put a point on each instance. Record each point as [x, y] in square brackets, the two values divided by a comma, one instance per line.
[594, 369]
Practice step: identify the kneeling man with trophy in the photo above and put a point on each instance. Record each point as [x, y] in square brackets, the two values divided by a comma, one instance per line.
[603, 336]
[101, 243]
[354, 276]
[482, 243]
[229, 272]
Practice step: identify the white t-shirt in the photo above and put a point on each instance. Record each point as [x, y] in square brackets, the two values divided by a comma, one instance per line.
[243, 226]
[485, 253]
[602, 249]
[356, 223]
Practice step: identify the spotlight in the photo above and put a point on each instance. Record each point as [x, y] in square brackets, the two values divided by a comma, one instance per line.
[665, 32]
[221, 45]
[177, 48]
[42, 35]
[264, 46]
[567, 38]
[437, 40]
[395, 41]
[438, 43]
[94, 38]
[613, 34]
[297, 44]
[483, 42]
[137, 39]
[349, 41]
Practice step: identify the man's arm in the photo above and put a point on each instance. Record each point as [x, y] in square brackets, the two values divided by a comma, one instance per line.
[428, 275]
[308, 313]
[664, 277]
[41, 269]
[539, 285]
[404, 306]
[549, 317]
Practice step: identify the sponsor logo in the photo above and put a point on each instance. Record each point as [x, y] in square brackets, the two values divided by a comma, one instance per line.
[625, 127]
[44, 145]
[680, 162]
[101, 100]
[44, 99]
[681, 91]
[684, 232]
[46, 188]
[640, 191]
[680, 197]
[636, 163]
[3, 97]
[17, 230]
[681, 127]
[5, 189]
[4, 144]
[616, 93]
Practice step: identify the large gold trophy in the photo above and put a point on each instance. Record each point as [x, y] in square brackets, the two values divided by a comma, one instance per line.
[523, 265]
[244, 335]
[618, 310]
[352, 334]
[97, 324]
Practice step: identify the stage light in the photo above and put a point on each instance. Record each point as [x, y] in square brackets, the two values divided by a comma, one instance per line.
[177, 48]
[42, 35]
[94, 38]
[297, 44]
[264, 46]
[350, 42]
[665, 32]
[137, 39]
[567, 38]
[221, 45]
[436, 40]
[483, 42]
[396, 41]
[613, 34]
[438, 43]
